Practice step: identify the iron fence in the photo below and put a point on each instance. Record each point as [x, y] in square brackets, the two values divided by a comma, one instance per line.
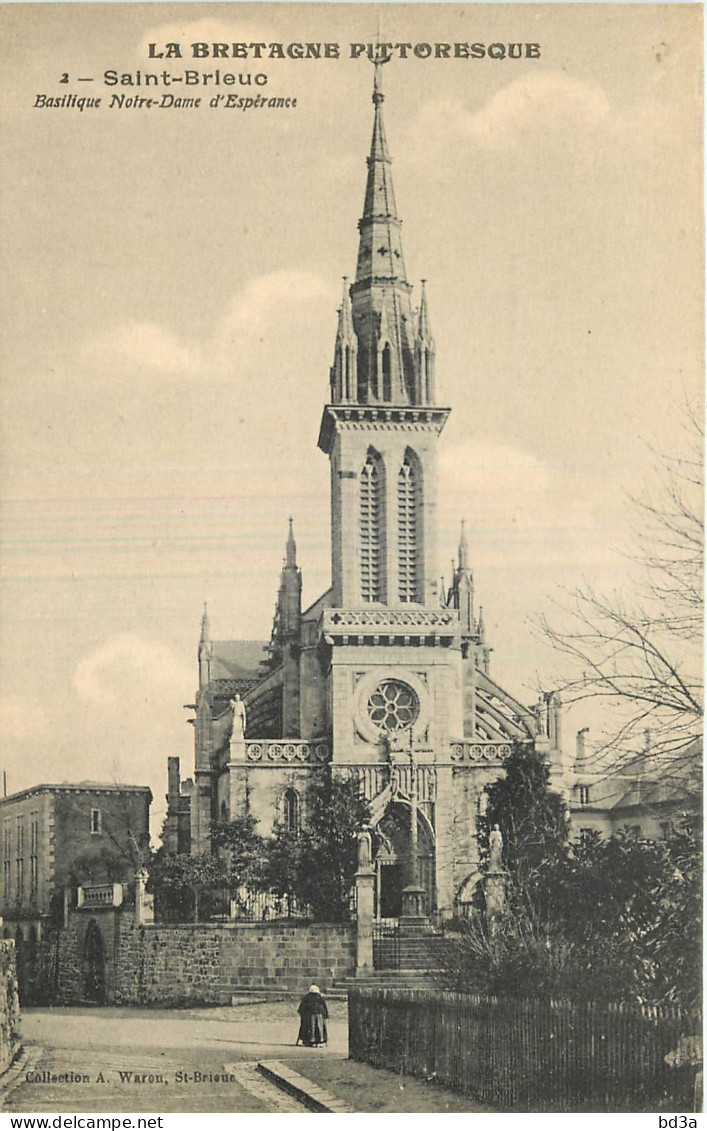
[386, 946]
[261, 906]
[531, 1055]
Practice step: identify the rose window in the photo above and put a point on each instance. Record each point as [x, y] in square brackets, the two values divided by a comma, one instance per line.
[393, 705]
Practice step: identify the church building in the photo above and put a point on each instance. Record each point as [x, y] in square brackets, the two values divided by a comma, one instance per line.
[385, 676]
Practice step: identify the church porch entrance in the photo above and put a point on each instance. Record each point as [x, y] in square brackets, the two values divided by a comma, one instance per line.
[391, 885]
[393, 864]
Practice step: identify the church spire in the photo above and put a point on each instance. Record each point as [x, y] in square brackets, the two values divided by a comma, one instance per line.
[379, 201]
[387, 369]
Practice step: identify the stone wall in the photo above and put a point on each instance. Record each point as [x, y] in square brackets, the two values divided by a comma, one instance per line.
[208, 963]
[9, 1005]
[70, 975]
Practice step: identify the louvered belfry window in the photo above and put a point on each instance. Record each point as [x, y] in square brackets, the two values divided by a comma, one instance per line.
[408, 533]
[371, 487]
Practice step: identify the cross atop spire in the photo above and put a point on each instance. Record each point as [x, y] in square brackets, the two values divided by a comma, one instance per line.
[378, 95]
[380, 59]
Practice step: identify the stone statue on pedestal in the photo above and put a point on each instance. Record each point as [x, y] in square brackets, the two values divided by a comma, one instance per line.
[495, 849]
[239, 719]
[540, 712]
[364, 851]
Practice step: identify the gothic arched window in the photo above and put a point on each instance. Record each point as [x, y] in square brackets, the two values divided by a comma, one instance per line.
[409, 548]
[290, 810]
[371, 528]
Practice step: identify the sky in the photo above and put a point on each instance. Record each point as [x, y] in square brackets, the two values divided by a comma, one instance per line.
[169, 310]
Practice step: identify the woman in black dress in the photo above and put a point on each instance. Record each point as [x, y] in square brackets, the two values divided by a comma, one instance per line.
[313, 1018]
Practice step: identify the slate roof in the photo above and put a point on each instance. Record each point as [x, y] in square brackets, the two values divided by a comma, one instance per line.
[238, 659]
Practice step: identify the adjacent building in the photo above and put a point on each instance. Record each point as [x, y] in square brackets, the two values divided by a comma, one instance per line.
[54, 836]
[648, 796]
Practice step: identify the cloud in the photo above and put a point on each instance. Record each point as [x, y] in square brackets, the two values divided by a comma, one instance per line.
[143, 345]
[532, 105]
[129, 668]
[268, 297]
[256, 312]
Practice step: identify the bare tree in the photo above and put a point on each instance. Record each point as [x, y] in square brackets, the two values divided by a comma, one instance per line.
[670, 537]
[640, 654]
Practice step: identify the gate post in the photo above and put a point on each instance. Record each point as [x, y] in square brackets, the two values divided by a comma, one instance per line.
[364, 921]
[365, 878]
[144, 902]
[495, 879]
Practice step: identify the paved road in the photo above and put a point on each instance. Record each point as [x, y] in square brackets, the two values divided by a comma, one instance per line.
[139, 1060]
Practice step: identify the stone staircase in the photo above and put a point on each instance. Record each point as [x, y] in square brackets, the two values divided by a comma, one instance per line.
[416, 952]
[397, 948]
[387, 980]
[405, 956]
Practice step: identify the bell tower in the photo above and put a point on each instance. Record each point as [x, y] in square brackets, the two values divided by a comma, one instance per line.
[390, 652]
[381, 426]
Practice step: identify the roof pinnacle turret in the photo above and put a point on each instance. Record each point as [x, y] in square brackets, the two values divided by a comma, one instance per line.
[346, 330]
[463, 548]
[423, 325]
[205, 629]
[291, 548]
